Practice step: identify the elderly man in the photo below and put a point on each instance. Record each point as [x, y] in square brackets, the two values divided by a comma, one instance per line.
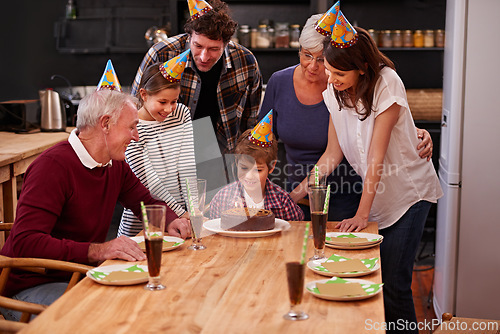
[69, 195]
[221, 80]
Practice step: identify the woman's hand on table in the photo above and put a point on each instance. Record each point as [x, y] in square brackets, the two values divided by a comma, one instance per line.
[122, 248]
[180, 227]
[354, 224]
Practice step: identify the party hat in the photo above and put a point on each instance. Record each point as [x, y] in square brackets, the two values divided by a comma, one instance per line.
[173, 68]
[109, 80]
[262, 133]
[197, 8]
[343, 33]
[325, 24]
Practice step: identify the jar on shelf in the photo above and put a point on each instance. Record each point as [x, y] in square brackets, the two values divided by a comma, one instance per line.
[294, 36]
[397, 39]
[244, 35]
[408, 38]
[270, 31]
[386, 39]
[374, 34]
[418, 39]
[253, 38]
[429, 39]
[263, 41]
[281, 37]
[439, 38]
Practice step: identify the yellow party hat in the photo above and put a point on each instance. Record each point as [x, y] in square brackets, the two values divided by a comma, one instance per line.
[343, 33]
[262, 133]
[197, 8]
[325, 24]
[173, 68]
[109, 80]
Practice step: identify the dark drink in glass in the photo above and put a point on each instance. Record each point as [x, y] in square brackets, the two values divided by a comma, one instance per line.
[153, 253]
[318, 220]
[295, 275]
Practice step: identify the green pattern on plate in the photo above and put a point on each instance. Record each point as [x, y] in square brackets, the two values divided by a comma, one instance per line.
[100, 274]
[369, 263]
[350, 235]
[369, 288]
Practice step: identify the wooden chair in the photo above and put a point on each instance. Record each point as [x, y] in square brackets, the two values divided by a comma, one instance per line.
[458, 325]
[39, 266]
[4, 232]
[7, 326]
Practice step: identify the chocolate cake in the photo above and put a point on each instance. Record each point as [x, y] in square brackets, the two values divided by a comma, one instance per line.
[236, 219]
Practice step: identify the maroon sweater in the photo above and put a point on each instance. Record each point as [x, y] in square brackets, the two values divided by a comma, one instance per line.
[64, 207]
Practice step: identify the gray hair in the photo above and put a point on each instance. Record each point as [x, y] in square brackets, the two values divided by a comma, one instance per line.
[310, 39]
[104, 102]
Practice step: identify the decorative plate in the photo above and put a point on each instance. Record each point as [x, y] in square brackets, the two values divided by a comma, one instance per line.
[370, 288]
[119, 274]
[214, 226]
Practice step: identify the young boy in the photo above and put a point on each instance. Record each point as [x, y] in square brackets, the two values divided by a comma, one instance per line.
[256, 154]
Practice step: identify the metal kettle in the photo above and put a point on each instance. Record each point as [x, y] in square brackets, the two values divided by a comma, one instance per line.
[53, 113]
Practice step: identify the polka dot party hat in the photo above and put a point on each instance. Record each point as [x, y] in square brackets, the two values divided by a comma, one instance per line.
[173, 68]
[343, 33]
[109, 80]
[197, 8]
[262, 133]
[325, 24]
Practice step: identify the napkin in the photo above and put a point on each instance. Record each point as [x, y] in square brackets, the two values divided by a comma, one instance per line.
[350, 265]
[124, 275]
[369, 288]
[341, 289]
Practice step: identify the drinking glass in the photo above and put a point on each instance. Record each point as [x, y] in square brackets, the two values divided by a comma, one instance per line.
[292, 239]
[154, 227]
[196, 206]
[318, 204]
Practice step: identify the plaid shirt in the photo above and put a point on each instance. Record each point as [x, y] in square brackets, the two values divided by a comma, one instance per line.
[238, 92]
[276, 199]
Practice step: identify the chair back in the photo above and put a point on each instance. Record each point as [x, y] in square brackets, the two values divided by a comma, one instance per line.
[4, 232]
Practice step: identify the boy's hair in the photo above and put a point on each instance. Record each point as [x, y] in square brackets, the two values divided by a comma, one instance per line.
[266, 154]
[215, 24]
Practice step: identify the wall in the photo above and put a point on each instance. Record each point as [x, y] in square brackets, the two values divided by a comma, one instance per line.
[29, 56]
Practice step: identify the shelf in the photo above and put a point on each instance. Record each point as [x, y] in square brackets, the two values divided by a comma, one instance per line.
[273, 50]
[410, 49]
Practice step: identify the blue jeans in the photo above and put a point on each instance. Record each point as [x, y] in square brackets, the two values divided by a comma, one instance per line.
[44, 294]
[397, 252]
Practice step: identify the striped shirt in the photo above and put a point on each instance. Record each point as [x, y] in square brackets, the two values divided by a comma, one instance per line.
[238, 92]
[275, 199]
[162, 158]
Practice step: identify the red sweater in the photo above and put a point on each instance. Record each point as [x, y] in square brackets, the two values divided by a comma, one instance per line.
[64, 207]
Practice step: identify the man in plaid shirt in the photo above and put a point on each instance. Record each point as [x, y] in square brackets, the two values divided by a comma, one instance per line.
[221, 78]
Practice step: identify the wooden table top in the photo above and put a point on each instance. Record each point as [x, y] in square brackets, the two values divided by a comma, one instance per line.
[236, 285]
[26, 145]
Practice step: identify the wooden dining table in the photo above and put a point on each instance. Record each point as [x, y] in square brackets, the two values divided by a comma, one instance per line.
[235, 285]
[17, 152]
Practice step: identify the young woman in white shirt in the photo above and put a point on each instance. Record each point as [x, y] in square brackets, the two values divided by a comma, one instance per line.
[371, 125]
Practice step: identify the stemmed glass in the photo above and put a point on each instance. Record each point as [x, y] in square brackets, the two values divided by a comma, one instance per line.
[196, 204]
[154, 227]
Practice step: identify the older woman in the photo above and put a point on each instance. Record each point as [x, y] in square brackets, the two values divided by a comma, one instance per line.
[301, 122]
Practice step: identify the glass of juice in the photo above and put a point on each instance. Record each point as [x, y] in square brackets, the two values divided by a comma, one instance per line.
[318, 203]
[292, 240]
[196, 189]
[154, 227]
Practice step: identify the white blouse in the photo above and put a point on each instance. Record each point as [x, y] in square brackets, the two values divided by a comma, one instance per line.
[406, 178]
